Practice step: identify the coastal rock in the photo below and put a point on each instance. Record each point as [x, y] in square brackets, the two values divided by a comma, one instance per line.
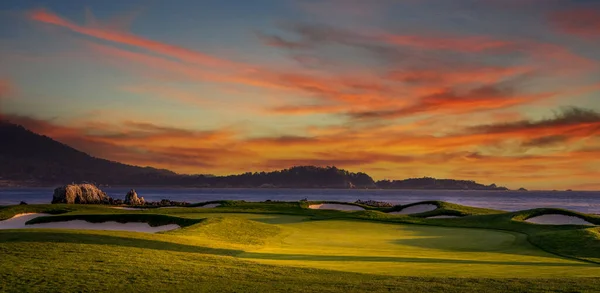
[132, 199]
[80, 194]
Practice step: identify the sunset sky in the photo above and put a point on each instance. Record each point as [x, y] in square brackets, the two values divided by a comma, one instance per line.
[497, 91]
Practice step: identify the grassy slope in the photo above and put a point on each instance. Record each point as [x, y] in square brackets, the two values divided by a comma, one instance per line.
[113, 262]
[222, 252]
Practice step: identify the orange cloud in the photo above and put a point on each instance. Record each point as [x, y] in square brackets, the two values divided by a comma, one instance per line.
[449, 101]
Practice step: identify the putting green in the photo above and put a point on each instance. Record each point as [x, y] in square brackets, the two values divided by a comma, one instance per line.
[411, 250]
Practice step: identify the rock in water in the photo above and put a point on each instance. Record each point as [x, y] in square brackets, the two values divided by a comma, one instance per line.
[132, 199]
[80, 194]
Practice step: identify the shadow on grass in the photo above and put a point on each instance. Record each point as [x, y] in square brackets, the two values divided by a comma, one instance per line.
[348, 258]
[450, 239]
[447, 238]
[281, 219]
[98, 239]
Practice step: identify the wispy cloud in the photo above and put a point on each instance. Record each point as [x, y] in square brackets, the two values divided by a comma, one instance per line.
[45, 16]
[581, 22]
[6, 89]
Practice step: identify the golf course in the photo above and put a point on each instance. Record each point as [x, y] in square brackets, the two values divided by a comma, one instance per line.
[237, 246]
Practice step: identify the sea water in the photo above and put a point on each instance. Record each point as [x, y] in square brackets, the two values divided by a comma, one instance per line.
[582, 201]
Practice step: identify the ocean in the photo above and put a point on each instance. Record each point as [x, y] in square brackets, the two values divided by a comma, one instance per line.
[582, 201]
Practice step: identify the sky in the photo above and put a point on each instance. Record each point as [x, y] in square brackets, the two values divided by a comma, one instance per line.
[496, 91]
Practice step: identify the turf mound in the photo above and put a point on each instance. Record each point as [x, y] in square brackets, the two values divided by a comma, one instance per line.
[231, 230]
[335, 206]
[558, 219]
[578, 243]
[416, 209]
[20, 221]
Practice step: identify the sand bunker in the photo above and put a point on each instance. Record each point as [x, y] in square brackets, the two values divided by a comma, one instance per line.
[557, 219]
[210, 205]
[416, 209]
[335, 206]
[18, 222]
[443, 217]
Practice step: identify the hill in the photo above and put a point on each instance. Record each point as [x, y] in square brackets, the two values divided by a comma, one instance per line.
[27, 158]
[432, 183]
[30, 159]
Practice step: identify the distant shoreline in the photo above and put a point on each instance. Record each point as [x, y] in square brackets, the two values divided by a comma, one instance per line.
[293, 188]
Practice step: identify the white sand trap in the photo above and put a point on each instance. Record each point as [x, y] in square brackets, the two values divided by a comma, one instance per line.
[443, 217]
[18, 222]
[557, 219]
[335, 206]
[416, 209]
[129, 209]
[210, 205]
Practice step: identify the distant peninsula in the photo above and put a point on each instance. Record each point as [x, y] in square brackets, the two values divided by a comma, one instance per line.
[30, 159]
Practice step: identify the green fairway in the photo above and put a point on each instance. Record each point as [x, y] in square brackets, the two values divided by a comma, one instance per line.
[245, 247]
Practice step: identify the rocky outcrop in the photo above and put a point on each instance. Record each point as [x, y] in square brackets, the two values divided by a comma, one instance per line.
[132, 199]
[80, 194]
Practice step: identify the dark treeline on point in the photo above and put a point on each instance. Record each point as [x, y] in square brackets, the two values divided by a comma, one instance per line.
[30, 159]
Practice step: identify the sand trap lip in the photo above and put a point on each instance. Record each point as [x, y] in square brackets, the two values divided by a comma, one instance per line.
[130, 208]
[171, 207]
[443, 217]
[210, 205]
[335, 206]
[416, 209]
[18, 222]
[558, 219]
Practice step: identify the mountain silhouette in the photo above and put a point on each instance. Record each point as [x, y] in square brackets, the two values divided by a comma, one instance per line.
[28, 158]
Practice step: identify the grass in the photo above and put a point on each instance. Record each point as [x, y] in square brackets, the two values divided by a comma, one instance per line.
[276, 247]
